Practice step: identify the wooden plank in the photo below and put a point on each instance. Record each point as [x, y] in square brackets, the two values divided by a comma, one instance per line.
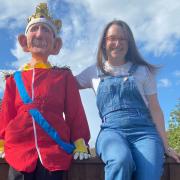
[165, 175]
[174, 171]
[86, 172]
[3, 170]
[93, 169]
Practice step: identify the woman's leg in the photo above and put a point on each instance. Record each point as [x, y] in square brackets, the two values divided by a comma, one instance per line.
[114, 150]
[148, 154]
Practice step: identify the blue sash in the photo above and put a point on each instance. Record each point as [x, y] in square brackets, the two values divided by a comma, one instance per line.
[37, 116]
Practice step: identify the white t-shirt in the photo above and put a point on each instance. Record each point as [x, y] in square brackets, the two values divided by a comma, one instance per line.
[144, 79]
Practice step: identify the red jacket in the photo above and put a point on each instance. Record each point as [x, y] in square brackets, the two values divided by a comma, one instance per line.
[55, 94]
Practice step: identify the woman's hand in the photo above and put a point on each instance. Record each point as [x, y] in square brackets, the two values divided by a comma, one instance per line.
[172, 153]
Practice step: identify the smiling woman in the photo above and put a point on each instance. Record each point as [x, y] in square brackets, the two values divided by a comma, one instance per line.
[116, 45]
[132, 140]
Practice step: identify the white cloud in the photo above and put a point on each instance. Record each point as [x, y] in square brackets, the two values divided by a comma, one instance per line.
[164, 83]
[154, 23]
[176, 73]
[21, 56]
[14, 13]
[1, 85]
[77, 58]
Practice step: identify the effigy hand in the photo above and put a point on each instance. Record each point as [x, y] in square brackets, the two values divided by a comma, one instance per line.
[81, 150]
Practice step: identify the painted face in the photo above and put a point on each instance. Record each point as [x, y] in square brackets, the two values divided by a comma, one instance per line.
[116, 45]
[40, 39]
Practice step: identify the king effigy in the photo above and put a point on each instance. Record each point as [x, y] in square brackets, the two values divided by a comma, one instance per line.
[42, 120]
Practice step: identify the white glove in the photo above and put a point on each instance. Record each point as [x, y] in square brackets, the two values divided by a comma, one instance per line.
[81, 155]
[2, 155]
[81, 150]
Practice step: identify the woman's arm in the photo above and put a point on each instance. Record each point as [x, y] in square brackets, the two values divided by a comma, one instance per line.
[158, 118]
[78, 84]
[84, 79]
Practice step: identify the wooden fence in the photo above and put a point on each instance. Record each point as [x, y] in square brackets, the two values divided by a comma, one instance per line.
[92, 169]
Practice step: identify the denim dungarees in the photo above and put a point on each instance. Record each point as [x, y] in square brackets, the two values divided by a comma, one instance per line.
[128, 142]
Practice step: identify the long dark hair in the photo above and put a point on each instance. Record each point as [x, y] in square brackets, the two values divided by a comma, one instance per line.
[132, 55]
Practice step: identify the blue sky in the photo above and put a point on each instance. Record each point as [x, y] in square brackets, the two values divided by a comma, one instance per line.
[155, 25]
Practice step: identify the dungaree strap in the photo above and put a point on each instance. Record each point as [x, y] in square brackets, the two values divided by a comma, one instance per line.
[37, 116]
[132, 69]
[100, 74]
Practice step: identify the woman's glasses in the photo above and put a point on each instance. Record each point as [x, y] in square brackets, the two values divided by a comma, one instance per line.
[115, 39]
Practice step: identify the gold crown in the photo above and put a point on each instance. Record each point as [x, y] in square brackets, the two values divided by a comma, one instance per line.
[42, 12]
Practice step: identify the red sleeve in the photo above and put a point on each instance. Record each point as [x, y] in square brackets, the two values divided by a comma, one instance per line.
[74, 112]
[7, 110]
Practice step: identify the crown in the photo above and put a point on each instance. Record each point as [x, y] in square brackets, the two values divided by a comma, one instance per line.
[42, 16]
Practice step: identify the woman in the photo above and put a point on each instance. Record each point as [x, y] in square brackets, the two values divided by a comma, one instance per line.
[132, 140]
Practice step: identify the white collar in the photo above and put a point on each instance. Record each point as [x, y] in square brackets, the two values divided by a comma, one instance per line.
[116, 70]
